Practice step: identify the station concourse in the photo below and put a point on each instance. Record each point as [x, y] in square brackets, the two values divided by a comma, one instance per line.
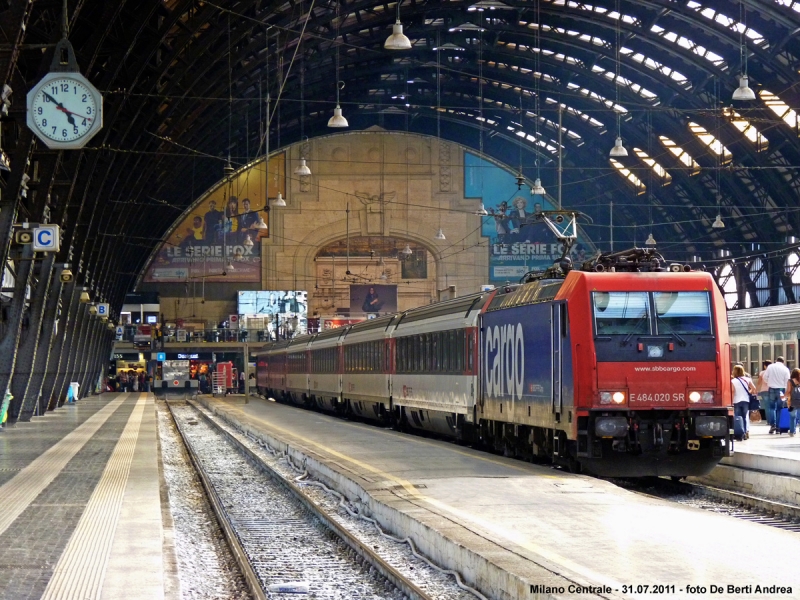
[184, 182]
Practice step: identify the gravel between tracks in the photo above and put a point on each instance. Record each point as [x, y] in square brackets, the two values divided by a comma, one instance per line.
[284, 542]
[435, 583]
[206, 568]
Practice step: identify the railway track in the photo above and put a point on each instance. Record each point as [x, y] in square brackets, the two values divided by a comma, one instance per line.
[277, 533]
[735, 504]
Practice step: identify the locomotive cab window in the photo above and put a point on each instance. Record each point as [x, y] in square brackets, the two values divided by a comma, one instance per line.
[686, 313]
[621, 313]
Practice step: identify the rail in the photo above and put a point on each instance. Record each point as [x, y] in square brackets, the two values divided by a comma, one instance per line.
[364, 551]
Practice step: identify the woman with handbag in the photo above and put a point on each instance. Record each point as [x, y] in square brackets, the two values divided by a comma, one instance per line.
[741, 389]
[793, 398]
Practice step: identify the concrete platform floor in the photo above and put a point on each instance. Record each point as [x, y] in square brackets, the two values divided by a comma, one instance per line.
[767, 452]
[81, 512]
[532, 521]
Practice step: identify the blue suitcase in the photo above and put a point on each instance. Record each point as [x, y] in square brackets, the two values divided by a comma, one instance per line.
[738, 428]
[784, 421]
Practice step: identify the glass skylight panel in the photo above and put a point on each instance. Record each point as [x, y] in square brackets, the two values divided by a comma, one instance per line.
[780, 108]
[709, 140]
[730, 23]
[795, 6]
[597, 98]
[688, 44]
[680, 154]
[747, 128]
[660, 171]
[627, 174]
[532, 139]
[575, 112]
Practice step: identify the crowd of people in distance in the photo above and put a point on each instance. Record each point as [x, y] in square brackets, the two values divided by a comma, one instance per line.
[130, 381]
[778, 391]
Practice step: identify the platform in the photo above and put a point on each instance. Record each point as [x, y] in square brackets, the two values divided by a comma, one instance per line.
[81, 511]
[767, 452]
[541, 525]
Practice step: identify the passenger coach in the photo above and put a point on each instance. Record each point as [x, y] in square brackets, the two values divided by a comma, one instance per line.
[622, 374]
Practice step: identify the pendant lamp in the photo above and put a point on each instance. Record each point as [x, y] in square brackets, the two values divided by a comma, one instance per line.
[651, 241]
[537, 188]
[279, 201]
[482, 212]
[743, 92]
[618, 151]
[718, 224]
[302, 169]
[439, 235]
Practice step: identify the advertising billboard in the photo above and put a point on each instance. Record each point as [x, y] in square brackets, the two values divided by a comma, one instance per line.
[219, 237]
[284, 311]
[516, 246]
[373, 299]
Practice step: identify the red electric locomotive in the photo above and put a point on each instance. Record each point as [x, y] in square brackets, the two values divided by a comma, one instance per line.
[624, 373]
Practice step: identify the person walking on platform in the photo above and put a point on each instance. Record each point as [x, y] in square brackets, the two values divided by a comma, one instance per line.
[741, 388]
[763, 392]
[793, 397]
[776, 376]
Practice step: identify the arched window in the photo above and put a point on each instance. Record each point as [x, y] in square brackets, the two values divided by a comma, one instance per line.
[728, 284]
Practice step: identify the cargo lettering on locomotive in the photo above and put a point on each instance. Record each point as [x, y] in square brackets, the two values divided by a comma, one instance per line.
[505, 361]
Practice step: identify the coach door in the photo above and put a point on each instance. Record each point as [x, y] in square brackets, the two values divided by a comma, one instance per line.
[555, 350]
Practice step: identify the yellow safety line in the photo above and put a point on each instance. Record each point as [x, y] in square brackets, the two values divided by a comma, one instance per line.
[464, 517]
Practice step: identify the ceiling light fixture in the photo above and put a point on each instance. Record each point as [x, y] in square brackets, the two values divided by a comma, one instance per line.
[397, 41]
[482, 212]
[302, 169]
[537, 189]
[743, 92]
[439, 235]
[279, 201]
[718, 224]
[651, 241]
[407, 250]
[337, 120]
[618, 151]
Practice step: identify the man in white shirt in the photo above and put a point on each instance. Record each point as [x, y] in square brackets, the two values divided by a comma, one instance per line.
[776, 375]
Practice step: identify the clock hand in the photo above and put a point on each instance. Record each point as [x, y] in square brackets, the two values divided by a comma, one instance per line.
[60, 107]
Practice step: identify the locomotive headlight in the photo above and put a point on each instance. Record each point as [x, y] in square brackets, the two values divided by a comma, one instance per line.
[694, 396]
[612, 397]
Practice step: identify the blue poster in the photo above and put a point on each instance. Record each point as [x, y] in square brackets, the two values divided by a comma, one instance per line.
[516, 246]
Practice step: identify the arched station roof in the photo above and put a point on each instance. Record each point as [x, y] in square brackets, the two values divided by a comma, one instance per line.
[185, 84]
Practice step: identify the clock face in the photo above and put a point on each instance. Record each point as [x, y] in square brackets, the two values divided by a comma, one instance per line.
[63, 109]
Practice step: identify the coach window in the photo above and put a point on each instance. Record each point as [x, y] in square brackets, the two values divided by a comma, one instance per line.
[766, 352]
[791, 354]
[435, 347]
[779, 350]
[448, 351]
[470, 351]
[734, 354]
[742, 354]
[754, 361]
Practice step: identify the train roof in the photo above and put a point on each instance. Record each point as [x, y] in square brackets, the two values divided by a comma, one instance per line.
[765, 319]
[461, 305]
[540, 290]
[370, 324]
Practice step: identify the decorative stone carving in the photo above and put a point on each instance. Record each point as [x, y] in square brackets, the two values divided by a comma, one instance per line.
[445, 174]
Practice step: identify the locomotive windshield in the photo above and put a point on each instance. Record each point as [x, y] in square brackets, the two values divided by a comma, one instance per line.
[683, 312]
[628, 313]
[621, 313]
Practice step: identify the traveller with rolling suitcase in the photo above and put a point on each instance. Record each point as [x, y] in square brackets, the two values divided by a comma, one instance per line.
[793, 396]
